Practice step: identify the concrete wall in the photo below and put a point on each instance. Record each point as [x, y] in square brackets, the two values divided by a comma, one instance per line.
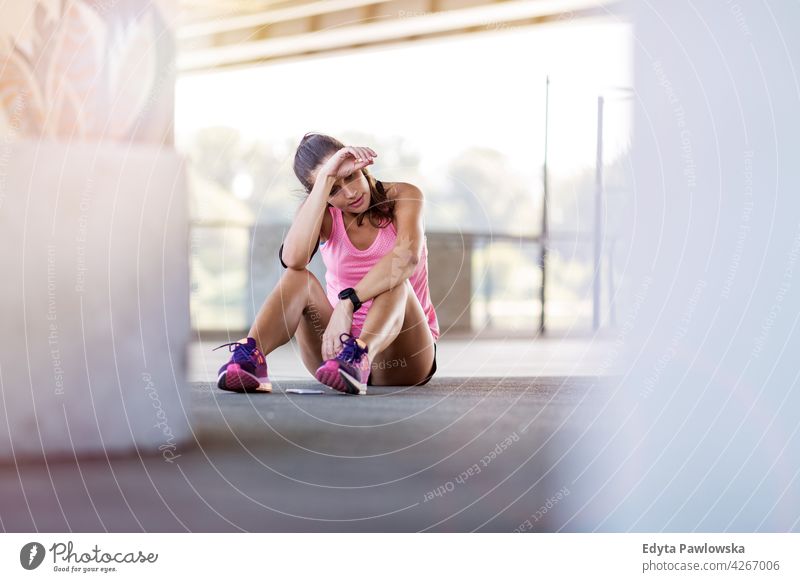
[93, 347]
[93, 210]
[704, 427]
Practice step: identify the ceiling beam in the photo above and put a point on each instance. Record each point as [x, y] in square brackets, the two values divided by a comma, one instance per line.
[271, 16]
[439, 23]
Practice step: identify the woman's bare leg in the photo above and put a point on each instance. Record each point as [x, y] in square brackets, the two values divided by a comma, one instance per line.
[296, 307]
[399, 338]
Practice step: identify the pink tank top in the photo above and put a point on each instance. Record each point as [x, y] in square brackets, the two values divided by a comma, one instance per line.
[346, 266]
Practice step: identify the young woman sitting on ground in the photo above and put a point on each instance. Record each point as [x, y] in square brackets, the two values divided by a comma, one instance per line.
[373, 323]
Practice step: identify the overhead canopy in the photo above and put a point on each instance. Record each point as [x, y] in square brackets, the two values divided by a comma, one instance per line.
[214, 35]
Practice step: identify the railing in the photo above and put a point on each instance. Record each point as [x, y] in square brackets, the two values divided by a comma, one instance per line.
[478, 281]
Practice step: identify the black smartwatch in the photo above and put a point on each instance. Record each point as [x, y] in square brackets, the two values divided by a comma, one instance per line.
[350, 293]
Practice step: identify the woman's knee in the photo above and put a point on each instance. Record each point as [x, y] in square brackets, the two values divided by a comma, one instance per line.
[397, 294]
[300, 286]
[300, 280]
[401, 289]
[297, 276]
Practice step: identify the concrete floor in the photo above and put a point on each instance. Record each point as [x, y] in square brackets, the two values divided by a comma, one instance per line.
[495, 448]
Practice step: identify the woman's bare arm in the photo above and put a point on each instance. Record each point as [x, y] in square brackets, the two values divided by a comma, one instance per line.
[399, 264]
[306, 226]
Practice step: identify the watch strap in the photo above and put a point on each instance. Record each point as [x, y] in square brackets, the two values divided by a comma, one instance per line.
[350, 293]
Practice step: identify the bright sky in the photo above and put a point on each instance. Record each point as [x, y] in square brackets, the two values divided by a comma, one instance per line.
[443, 95]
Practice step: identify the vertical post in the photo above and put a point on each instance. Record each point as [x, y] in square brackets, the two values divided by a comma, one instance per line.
[488, 283]
[250, 308]
[612, 304]
[545, 230]
[598, 218]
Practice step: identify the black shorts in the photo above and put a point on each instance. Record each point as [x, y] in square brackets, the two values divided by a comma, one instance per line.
[427, 378]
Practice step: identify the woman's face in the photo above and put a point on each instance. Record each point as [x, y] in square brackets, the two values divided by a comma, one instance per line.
[350, 194]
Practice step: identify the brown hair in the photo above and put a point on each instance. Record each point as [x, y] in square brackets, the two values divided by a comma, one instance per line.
[314, 149]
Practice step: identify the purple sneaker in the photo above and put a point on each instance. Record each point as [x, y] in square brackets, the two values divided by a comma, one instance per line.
[246, 371]
[349, 370]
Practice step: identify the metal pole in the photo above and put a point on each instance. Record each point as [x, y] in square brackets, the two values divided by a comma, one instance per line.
[598, 218]
[488, 283]
[612, 304]
[545, 230]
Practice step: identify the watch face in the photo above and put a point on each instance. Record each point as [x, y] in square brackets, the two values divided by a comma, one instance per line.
[350, 293]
